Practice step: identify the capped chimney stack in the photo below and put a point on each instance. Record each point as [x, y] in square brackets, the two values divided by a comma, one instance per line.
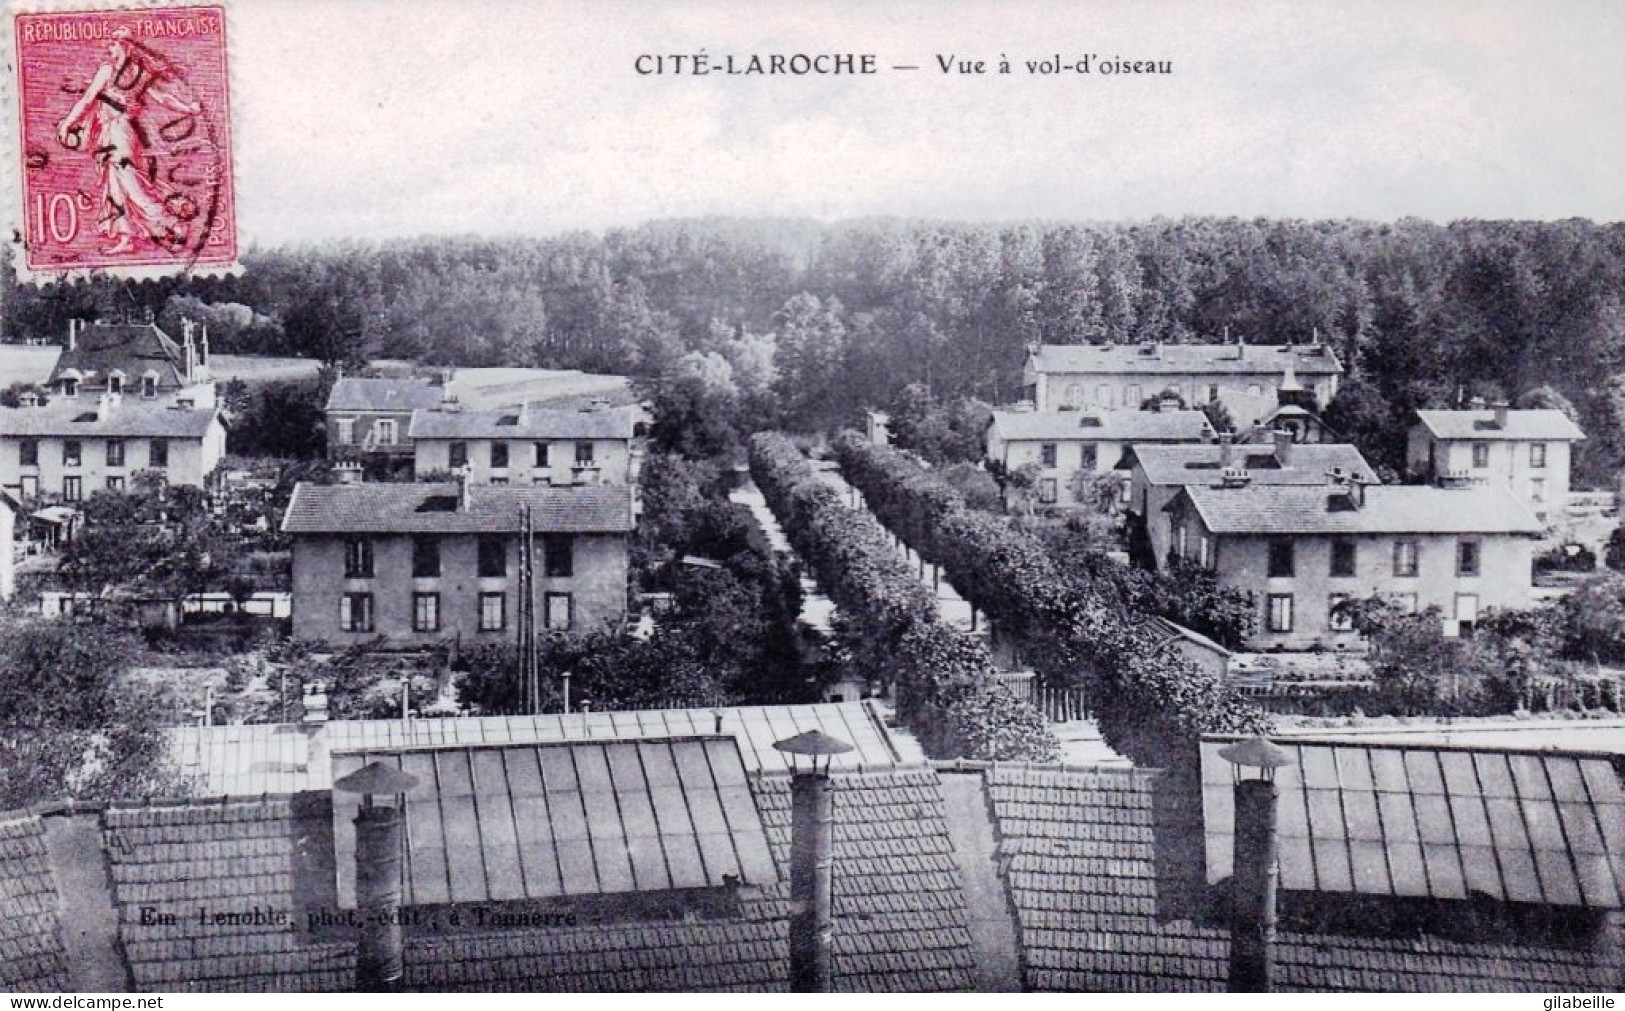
[347, 472]
[1501, 411]
[1227, 450]
[1254, 868]
[380, 961]
[1283, 447]
[812, 819]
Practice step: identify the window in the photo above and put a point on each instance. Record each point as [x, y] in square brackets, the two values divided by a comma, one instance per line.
[1481, 455]
[1134, 396]
[559, 550]
[1281, 557]
[1046, 490]
[70, 387]
[425, 612]
[459, 455]
[1343, 558]
[1256, 389]
[493, 557]
[584, 453]
[1466, 558]
[1404, 603]
[358, 558]
[1048, 454]
[1537, 455]
[115, 384]
[1537, 489]
[1405, 558]
[1212, 393]
[425, 556]
[158, 453]
[1103, 395]
[498, 481]
[70, 452]
[115, 483]
[149, 386]
[355, 612]
[544, 479]
[384, 431]
[1204, 551]
[28, 452]
[115, 452]
[1280, 616]
[1337, 617]
[493, 612]
[556, 609]
[1466, 612]
[72, 489]
[499, 455]
[30, 487]
[541, 454]
[346, 428]
[1091, 456]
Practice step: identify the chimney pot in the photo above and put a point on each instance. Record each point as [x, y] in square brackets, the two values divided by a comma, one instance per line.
[1227, 449]
[1501, 411]
[465, 490]
[1283, 447]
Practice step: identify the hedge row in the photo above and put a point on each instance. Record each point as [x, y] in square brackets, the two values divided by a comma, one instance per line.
[1152, 704]
[945, 683]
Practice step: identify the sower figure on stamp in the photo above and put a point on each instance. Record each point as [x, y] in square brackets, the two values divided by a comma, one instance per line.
[114, 108]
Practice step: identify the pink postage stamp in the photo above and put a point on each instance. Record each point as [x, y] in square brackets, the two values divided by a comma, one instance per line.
[125, 141]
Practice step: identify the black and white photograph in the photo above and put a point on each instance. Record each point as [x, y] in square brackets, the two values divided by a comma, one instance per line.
[647, 496]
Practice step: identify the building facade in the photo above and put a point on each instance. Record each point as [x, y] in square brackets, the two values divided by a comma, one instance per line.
[1302, 551]
[528, 445]
[1064, 444]
[1158, 472]
[371, 418]
[1526, 452]
[1247, 379]
[74, 446]
[418, 564]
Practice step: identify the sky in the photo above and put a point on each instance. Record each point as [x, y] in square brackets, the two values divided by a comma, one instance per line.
[372, 119]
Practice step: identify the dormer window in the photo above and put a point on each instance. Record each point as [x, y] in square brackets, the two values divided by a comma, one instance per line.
[70, 387]
[115, 383]
[149, 385]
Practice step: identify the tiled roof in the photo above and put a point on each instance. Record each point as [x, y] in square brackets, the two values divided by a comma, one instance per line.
[1199, 463]
[1097, 426]
[524, 423]
[249, 760]
[1545, 423]
[1104, 873]
[1184, 358]
[77, 416]
[383, 508]
[357, 393]
[510, 822]
[132, 348]
[31, 956]
[1388, 509]
[1439, 822]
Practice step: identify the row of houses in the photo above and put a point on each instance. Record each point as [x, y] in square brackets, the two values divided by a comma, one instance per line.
[1283, 510]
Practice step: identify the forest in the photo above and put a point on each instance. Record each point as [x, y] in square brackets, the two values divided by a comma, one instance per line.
[800, 324]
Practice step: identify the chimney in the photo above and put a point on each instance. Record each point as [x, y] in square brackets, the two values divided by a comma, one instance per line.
[1501, 416]
[812, 817]
[1226, 449]
[1283, 447]
[465, 490]
[73, 334]
[379, 963]
[105, 403]
[347, 472]
[1254, 865]
[203, 348]
[1476, 404]
[190, 349]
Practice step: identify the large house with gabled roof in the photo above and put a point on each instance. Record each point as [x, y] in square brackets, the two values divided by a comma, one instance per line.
[1061, 445]
[527, 444]
[1528, 452]
[136, 360]
[417, 564]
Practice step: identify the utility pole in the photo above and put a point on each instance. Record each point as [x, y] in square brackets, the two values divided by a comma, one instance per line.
[530, 680]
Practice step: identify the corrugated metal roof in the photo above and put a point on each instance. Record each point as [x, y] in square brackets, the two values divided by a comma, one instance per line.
[1532, 424]
[250, 760]
[1185, 358]
[1199, 463]
[1100, 426]
[72, 417]
[1298, 509]
[1438, 821]
[524, 423]
[433, 508]
[509, 822]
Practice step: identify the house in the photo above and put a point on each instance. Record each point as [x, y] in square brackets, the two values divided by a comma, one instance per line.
[651, 852]
[1157, 472]
[1526, 452]
[11, 516]
[1304, 549]
[1064, 444]
[73, 446]
[137, 360]
[1247, 379]
[369, 418]
[528, 445]
[421, 563]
